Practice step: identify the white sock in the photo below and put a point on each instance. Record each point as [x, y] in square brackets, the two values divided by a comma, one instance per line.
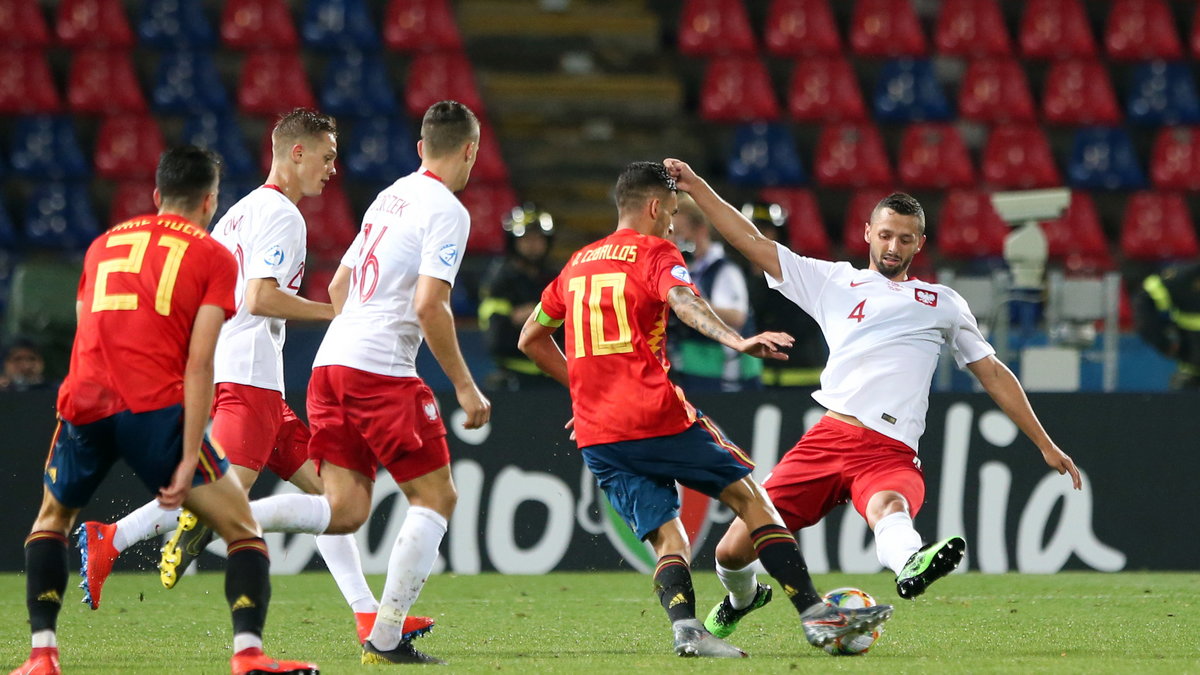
[292, 513]
[148, 520]
[340, 552]
[246, 641]
[412, 560]
[742, 584]
[896, 540]
[45, 638]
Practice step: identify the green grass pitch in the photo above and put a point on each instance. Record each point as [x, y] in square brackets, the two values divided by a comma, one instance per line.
[611, 622]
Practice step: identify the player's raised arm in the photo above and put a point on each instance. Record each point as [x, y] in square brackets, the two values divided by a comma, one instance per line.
[733, 226]
[697, 313]
[1006, 391]
[536, 343]
[432, 303]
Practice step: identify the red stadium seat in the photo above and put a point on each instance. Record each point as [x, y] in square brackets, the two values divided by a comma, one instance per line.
[257, 24]
[1076, 239]
[1158, 227]
[273, 83]
[315, 285]
[933, 156]
[1018, 157]
[26, 85]
[1141, 30]
[969, 226]
[420, 25]
[858, 212]
[851, 155]
[806, 232]
[22, 24]
[487, 204]
[132, 198]
[1175, 159]
[825, 89]
[1079, 92]
[93, 23]
[801, 28]
[971, 28]
[437, 76]
[489, 164]
[995, 91]
[711, 27]
[886, 29]
[103, 82]
[1194, 36]
[737, 89]
[1055, 29]
[128, 146]
[331, 227]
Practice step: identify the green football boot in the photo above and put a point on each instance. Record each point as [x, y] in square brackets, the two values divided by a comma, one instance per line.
[723, 619]
[929, 564]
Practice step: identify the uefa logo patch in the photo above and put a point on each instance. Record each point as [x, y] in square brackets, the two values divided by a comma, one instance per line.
[681, 273]
[275, 256]
[925, 297]
[448, 254]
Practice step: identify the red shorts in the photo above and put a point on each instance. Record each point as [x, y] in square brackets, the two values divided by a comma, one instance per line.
[835, 462]
[256, 428]
[361, 420]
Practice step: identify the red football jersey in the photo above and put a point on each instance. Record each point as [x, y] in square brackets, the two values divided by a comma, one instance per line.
[143, 283]
[612, 296]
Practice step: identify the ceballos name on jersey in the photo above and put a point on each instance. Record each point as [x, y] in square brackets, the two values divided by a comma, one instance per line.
[627, 253]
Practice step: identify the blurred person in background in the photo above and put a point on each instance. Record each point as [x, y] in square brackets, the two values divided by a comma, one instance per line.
[1167, 315]
[24, 367]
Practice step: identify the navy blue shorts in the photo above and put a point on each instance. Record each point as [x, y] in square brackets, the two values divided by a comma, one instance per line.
[639, 476]
[151, 443]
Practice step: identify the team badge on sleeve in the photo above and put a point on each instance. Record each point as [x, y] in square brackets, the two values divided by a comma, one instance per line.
[448, 254]
[431, 411]
[275, 256]
[926, 297]
[681, 273]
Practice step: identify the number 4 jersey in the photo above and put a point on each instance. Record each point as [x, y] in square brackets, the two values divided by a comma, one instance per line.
[612, 296]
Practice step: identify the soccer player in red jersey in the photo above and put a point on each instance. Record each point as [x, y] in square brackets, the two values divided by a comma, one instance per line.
[153, 295]
[636, 430]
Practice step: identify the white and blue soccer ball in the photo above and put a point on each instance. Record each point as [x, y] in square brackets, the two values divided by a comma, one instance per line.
[851, 645]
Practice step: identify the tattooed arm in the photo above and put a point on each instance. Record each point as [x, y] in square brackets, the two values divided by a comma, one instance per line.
[696, 312]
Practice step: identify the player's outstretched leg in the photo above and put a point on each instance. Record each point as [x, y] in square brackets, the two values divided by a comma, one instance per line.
[929, 564]
[724, 618]
[414, 626]
[823, 623]
[97, 555]
[402, 653]
[187, 542]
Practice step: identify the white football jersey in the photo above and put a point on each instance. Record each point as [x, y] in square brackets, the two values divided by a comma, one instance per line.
[416, 226]
[268, 238]
[884, 339]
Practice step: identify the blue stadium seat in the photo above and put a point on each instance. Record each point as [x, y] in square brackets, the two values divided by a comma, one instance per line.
[380, 149]
[338, 24]
[188, 82]
[60, 216]
[45, 146]
[175, 24]
[10, 239]
[764, 154]
[222, 133]
[1103, 158]
[232, 190]
[908, 91]
[357, 85]
[1162, 94]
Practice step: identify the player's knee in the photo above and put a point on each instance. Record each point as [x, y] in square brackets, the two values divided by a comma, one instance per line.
[347, 516]
[733, 554]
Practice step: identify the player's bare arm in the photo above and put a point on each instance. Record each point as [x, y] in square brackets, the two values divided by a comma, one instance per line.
[697, 313]
[263, 298]
[432, 304]
[1004, 388]
[733, 226]
[339, 288]
[536, 343]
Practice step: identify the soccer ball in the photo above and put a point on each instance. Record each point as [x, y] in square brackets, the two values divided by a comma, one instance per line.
[851, 645]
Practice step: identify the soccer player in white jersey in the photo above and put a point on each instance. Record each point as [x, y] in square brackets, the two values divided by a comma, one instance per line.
[885, 331]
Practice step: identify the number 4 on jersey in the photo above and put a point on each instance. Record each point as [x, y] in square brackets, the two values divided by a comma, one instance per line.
[858, 313]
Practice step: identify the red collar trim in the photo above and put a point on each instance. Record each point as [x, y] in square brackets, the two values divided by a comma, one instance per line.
[432, 175]
[271, 186]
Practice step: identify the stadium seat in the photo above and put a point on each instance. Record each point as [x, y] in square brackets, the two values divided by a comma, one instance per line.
[1175, 159]
[1104, 159]
[221, 132]
[1163, 94]
[933, 156]
[711, 27]
[128, 147]
[379, 149]
[357, 85]
[796, 28]
[1194, 35]
[338, 24]
[737, 89]
[26, 85]
[93, 23]
[1076, 239]
[971, 28]
[273, 83]
[232, 190]
[1140, 30]
[851, 155]
[188, 82]
[1158, 227]
[908, 91]
[764, 154]
[437, 76]
[825, 89]
[257, 24]
[489, 163]
[102, 82]
[806, 232]
[995, 91]
[1079, 92]
[420, 25]
[43, 299]
[45, 146]
[10, 239]
[317, 278]
[60, 216]
[331, 226]
[22, 24]
[487, 205]
[1055, 29]
[886, 29]
[858, 212]
[175, 24]
[969, 227]
[1017, 157]
[131, 198]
